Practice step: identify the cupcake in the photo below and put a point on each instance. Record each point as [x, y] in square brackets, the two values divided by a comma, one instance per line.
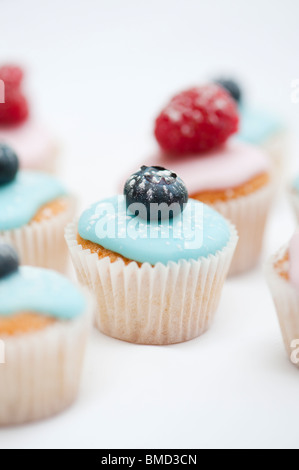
[294, 197]
[259, 127]
[44, 324]
[283, 279]
[155, 260]
[232, 177]
[18, 129]
[35, 209]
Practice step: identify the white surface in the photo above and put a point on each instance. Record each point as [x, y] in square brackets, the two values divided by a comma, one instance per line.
[99, 71]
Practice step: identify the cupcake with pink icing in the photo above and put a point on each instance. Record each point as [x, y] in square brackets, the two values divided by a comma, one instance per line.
[233, 177]
[283, 279]
[19, 129]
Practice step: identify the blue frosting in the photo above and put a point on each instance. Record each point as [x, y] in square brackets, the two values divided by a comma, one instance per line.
[40, 291]
[257, 126]
[198, 232]
[21, 199]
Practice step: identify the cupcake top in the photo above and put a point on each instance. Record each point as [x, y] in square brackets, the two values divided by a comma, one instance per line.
[294, 260]
[131, 225]
[18, 129]
[38, 290]
[22, 194]
[194, 132]
[229, 166]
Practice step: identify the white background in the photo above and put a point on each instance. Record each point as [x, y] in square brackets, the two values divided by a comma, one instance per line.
[98, 72]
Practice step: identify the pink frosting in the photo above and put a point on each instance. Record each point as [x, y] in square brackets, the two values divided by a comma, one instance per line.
[294, 260]
[227, 167]
[32, 142]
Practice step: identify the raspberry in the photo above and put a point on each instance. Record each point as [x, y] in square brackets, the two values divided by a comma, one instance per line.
[12, 76]
[197, 120]
[14, 110]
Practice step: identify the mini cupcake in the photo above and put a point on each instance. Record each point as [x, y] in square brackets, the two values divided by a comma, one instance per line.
[44, 324]
[260, 128]
[294, 197]
[283, 279]
[155, 260]
[234, 178]
[18, 129]
[35, 208]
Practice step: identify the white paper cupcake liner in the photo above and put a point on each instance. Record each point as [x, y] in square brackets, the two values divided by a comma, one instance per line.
[153, 304]
[286, 300]
[42, 243]
[249, 215]
[41, 372]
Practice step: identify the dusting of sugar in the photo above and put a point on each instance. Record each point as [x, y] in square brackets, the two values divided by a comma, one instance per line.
[220, 103]
[186, 130]
[47, 213]
[173, 114]
[150, 194]
[197, 115]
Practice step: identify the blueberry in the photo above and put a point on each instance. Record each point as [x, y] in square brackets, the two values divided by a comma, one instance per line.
[9, 164]
[156, 185]
[9, 261]
[232, 87]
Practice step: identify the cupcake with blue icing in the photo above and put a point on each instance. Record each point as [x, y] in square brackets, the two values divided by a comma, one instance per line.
[155, 259]
[44, 324]
[35, 208]
[259, 127]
